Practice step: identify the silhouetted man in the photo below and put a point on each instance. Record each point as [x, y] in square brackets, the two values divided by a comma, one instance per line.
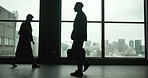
[79, 35]
[24, 50]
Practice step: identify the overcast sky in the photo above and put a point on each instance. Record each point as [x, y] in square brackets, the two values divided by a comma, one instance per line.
[115, 10]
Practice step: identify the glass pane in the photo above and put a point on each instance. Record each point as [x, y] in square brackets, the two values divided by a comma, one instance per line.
[124, 10]
[92, 9]
[124, 40]
[19, 9]
[66, 42]
[92, 45]
[9, 37]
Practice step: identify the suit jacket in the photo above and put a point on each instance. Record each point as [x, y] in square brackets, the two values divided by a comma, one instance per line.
[79, 32]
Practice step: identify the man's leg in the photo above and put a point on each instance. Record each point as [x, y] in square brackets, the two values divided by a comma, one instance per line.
[77, 47]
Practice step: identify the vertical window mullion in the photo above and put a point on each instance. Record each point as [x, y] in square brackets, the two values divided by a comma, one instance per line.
[145, 27]
[103, 30]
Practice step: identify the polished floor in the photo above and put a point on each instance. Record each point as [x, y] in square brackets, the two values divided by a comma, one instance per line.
[62, 71]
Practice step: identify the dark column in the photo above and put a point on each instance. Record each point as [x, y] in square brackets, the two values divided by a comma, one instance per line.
[49, 36]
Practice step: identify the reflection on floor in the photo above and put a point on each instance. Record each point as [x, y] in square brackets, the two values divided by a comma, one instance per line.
[63, 71]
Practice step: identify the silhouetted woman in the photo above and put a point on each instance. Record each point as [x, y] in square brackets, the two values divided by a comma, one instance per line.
[79, 35]
[24, 50]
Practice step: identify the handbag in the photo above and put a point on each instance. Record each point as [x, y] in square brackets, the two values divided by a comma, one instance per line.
[71, 55]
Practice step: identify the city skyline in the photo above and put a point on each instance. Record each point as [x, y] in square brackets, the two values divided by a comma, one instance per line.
[128, 42]
[133, 48]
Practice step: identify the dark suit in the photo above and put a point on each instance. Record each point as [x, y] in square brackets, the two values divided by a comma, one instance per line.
[79, 32]
[79, 35]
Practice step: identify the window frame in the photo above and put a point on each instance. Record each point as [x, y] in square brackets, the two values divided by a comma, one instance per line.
[103, 22]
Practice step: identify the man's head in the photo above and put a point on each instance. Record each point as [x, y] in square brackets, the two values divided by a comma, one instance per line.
[78, 7]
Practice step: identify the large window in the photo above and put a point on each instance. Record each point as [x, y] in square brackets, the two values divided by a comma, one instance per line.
[12, 14]
[93, 12]
[116, 28]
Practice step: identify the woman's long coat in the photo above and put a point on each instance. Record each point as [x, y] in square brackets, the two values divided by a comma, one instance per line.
[24, 49]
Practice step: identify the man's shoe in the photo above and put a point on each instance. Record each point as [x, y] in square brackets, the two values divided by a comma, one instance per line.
[77, 73]
[86, 66]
